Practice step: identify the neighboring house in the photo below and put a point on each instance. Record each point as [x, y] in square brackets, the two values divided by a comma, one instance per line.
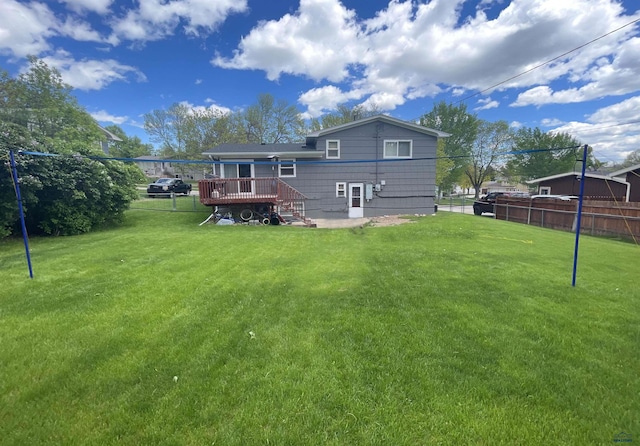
[501, 186]
[109, 138]
[596, 187]
[632, 176]
[370, 167]
[157, 166]
[154, 166]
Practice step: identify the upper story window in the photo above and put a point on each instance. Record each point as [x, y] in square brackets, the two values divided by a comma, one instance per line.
[398, 148]
[333, 149]
[287, 168]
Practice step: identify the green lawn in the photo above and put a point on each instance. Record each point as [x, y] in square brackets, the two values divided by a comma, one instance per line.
[451, 330]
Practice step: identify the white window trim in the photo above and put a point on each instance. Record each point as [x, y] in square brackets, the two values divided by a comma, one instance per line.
[327, 149]
[344, 190]
[384, 152]
[286, 161]
[545, 190]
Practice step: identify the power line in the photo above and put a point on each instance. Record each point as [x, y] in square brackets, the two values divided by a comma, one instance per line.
[620, 124]
[548, 62]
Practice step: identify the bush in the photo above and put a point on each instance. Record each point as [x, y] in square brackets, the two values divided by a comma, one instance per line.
[66, 195]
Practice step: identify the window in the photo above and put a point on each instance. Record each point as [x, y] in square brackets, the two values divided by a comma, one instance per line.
[287, 168]
[397, 149]
[333, 149]
[341, 190]
[545, 190]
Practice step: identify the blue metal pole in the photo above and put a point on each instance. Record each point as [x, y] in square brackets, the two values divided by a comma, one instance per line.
[14, 172]
[579, 222]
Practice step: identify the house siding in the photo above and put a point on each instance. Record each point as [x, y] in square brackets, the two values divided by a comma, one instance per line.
[594, 188]
[633, 178]
[409, 184]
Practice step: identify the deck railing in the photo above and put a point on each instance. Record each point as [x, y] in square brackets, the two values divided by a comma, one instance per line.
[231, 191]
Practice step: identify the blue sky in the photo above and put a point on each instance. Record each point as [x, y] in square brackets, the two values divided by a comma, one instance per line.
[125, 58]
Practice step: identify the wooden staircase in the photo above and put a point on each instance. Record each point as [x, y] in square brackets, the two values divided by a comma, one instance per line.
[253, 191]
[292, 200]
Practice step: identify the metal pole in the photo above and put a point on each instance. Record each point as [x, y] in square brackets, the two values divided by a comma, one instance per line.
[14, 173]
[582, 181]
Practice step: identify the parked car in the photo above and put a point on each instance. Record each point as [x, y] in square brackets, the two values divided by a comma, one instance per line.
[554, 197]
[487, 203]
[164, 186]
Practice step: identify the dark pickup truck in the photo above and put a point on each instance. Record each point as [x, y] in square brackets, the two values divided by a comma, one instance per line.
[487, 203]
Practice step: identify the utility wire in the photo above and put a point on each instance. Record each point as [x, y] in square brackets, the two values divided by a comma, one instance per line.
[548, 62]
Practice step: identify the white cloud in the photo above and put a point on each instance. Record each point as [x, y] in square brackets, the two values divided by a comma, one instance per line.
[551, 122]
[516, 124]
[605, 78]
[99, 6]
[91, 74]
[612, 131]
[79, 30]
[319, 41]
[25, 28]
[103, 116]
[214, 107]
[323, 99]
[156, 19]
[486, 104]
[411, 49]
[198, 81]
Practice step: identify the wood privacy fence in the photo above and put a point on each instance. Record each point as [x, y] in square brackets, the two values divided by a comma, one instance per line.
[598, 217]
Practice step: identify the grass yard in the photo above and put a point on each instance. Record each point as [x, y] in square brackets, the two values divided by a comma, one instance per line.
[452, 330]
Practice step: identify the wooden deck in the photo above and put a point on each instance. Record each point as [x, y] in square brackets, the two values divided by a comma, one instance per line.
[252, 191]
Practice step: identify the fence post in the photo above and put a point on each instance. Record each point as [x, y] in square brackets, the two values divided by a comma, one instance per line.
[173, 199]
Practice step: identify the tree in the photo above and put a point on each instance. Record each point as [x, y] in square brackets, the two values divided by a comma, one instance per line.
[443, 163]
[128, 147]
[185, 132]
[41, 102]
[492, 141]
[169, 129]
[537, 159]
[343, 115]
[67, 193]
[463, 128]
[271, 121]
[631, 159]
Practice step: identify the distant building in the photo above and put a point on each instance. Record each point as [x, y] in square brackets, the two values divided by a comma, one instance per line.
[502, 186]
[596, 187]
[631, 176]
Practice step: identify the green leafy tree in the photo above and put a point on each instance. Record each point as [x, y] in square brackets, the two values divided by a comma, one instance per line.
[492, 141]
[463, 127]
[129, 147]
[443, 163]
[631, 159]
[41, 102]
[63, 194]
[343, 115]
[185, 132]
[538, 161]
[169, 128]
[271, 121]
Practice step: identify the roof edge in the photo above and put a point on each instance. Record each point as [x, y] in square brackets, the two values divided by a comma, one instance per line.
[385, 118]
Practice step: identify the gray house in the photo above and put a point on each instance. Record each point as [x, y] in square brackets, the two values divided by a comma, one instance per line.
[366, 168]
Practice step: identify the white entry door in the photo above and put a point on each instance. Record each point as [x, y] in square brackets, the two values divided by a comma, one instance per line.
[356, 191]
